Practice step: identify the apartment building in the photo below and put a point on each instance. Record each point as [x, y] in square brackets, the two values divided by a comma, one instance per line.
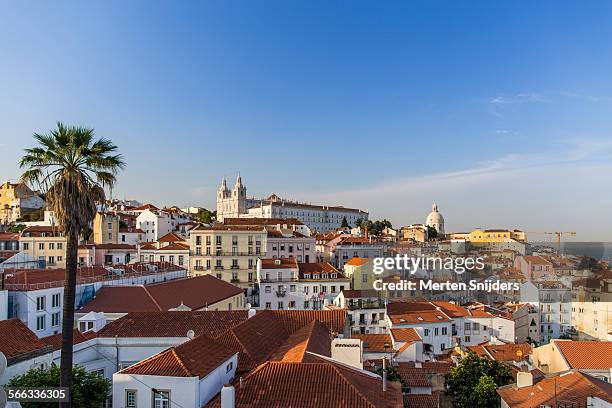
[286, 284]
[156, 223]
[105, 228]
[229, 252]
[366, 310]
[287, 243]
[169, 248]
[534, 267]
[45, 243]
[338, 252]
[554, 302]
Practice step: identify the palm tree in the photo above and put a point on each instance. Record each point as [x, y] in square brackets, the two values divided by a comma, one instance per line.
[72, 170]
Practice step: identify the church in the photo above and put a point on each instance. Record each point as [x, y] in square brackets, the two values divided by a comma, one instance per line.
[234, 203]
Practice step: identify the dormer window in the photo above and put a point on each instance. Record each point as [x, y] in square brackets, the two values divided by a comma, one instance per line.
[315, 276]
[334, 275]
[324, 276]
[306, 276]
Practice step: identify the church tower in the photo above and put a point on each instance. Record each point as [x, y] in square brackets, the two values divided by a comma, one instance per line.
[231, 204]
[239, 197]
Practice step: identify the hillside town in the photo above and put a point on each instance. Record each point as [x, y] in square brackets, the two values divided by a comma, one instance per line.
[270, 302]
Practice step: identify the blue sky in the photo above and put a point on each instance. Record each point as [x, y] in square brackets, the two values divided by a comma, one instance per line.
[499, 111]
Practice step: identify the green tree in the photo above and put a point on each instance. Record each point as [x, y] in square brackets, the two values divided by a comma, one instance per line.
[358, 222]
[432, 233]
[474, 381]
[206, 217]
[16, 229]
[72, 169]
[88, 390]
[344, 223]
[392, 374]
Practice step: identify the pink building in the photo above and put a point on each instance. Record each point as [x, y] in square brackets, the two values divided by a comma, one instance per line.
[534, 267]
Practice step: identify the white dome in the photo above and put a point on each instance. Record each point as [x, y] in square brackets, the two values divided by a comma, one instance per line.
[435, 219]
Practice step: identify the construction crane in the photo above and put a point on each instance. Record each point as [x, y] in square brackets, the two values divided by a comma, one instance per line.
[558, 234]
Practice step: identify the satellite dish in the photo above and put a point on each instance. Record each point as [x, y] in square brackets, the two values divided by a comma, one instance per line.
[190, 334]
[3, 364]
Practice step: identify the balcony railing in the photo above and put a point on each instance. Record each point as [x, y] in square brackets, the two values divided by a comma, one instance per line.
[366, 304]
[289, 279]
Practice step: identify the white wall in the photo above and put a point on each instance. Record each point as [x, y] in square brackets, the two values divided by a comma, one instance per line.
[23, 366]
[183, 390]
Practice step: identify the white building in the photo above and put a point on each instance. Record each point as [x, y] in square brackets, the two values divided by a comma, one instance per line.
[157, 223]
[554, 302]
[286, 284]
[36, 296]
[234, 204]
[287, 243]
[188, 375]
[366, 310]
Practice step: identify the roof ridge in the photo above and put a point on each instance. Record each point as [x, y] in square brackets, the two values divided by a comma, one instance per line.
[152, 298]
[180, 361]
[351, 385]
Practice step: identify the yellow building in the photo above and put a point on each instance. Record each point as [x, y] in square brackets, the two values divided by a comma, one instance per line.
[229, 252]
[46, 244]
[416, 233]
[106, 228]
[491, 236]
[16, 199]
[360, 273]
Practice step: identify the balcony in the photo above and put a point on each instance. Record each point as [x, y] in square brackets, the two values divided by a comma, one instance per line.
[219, 267]
[288, 279]
[281, 293]
[366, 304]
[235, 280]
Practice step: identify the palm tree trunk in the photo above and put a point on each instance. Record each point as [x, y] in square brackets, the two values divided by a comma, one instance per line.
[68, 314]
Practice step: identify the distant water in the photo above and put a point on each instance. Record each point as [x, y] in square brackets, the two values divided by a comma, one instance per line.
[597, 250]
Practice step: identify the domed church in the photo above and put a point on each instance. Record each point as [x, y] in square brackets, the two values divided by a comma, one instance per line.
[435, 219]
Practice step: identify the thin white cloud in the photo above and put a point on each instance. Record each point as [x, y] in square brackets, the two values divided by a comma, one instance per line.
[506, 132]
[589, 98]
[534, 191]
[527, 97]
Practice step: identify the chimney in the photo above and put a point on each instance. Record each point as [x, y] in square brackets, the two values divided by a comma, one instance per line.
[228, 397]
[524, 379]
[241, 382]
[384, 367]
[251, 313]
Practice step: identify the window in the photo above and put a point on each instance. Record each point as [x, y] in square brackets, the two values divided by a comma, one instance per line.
[55, 299]
[364, 278]
[292, 304]
[41, 322]
[281, 305]
[435, 331]
[444, 331]
[229, 367]
[181, 260]
[161, 399]
[40, 303]
[130, 398]
[291, 288]
[55, 319]
[442, 346]
[467, 339]
[51, 246]
[426, 332]
[268, 305]
[306, 304]
[268, 289]
[41, 246]
[25, 246]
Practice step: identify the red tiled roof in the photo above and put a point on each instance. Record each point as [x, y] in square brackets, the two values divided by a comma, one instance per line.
[586, 354]
[503, 352]
[55, 340]
[195, 293]
[175, 246]
[422, 400]
[321, 384]
[194, 358]
[174, 324]
[293, 320]
[171, 237]
[360, 293]
[9, 236]
[320, 268]
[419, 317]
[407, 334]
[145, 207]
[278, 263]
[412, 376]
[17, 339]
[571, 388]
[314, 337]
[537, 260]
[356, 261]
[375, 343]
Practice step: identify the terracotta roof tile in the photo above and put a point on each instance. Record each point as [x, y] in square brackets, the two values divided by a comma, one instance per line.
[314, 337]
[377, 343]
[194, 358]
[572, 388]
[17, 340]
[174, 324]
[171, 237]
[195, 293]
[406, 334]
[55, 340]
[412, 376]
[363, 293]
[322, 384]
[586, 354]
[356, 261]
[422, 400]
